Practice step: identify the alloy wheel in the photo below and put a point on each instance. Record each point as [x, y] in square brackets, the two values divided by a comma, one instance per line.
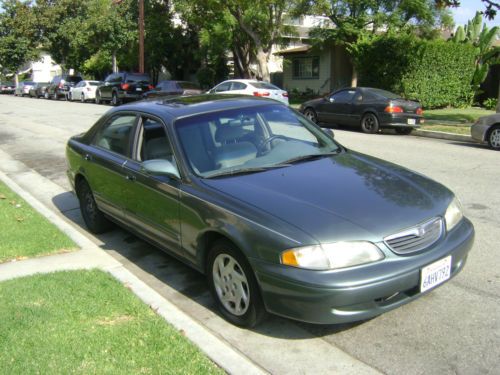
[494, 138]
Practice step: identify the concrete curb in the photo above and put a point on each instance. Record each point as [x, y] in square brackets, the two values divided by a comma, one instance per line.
[442, 135]
[91, 256]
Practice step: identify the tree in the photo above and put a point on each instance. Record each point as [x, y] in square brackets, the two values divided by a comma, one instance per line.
[491, 6]
[19, 35]
[356, 20]
[482, 38]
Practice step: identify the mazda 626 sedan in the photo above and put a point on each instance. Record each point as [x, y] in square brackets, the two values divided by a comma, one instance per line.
[279, 216]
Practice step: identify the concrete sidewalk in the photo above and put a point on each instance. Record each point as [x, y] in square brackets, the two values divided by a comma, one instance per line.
[91, 256]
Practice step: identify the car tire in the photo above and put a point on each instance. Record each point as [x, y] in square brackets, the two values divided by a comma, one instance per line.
[55, 96]
[115, 101]
[494, 137]
[46, 95]
[98, 98]
[311, 115]
[403, 131]
[233, 285]
[93, 217]
[369, 123]
[69, 97]
[82, 98]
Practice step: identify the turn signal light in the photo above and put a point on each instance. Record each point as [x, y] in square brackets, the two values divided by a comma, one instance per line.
[391, 109]
[419, 111]
[261, 93]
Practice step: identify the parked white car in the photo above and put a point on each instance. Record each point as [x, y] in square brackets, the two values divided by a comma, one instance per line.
[84, 90]
[251, 87]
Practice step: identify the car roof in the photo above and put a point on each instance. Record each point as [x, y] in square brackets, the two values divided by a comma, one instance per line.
[187, 106]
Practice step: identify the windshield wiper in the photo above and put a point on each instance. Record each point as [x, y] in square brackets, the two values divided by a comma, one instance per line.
[233, 172]
[310, 157]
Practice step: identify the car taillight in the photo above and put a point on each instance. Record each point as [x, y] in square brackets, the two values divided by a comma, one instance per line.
[125, 86]
[419, 111]
[261, 93]
[151, 87]
[285, 94]
[393, 109]
[61, 86]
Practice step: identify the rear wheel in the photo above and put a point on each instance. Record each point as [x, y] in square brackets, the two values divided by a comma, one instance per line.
[369, 123]
[311, 115]
[98, 99]
[55, 96]
[403, 131]
[93, 217]
[494, 137]
[233, 285]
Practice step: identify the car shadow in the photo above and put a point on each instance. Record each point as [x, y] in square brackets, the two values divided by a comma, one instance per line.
[172, 278]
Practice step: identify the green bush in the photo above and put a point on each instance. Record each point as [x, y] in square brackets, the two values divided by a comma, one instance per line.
[490, 103]
[436, 73]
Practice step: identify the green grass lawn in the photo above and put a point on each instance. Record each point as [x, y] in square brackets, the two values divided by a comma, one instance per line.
[86, 322]
[455, 129]
[464, 115]
[26, 233]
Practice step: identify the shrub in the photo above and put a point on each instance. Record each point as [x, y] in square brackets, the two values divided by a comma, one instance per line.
[490, 103]
[436, 73]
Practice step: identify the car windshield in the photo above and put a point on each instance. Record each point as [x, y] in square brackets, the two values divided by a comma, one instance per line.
[385, 94]
[264, 85]
[95, 83]
[74, 79]
[137, 78]
[248, 140]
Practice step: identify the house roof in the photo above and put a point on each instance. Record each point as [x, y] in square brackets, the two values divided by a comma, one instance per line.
[289, 51]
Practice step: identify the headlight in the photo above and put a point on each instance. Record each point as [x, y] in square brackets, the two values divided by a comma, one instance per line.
[453, 214]
[332, 256]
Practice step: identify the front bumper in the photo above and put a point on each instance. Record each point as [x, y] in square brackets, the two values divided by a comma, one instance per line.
[331, 297]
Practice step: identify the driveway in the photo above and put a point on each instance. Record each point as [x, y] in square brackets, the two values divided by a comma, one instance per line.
[454, 329]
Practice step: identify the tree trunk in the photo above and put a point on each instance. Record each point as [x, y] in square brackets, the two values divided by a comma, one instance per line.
[498, 99]
[354, 77]
[115, 66]
[262, 60]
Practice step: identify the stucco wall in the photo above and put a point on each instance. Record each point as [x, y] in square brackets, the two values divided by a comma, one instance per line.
[319, 85]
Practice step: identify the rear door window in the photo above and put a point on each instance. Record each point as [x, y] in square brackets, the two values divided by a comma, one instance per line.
[115, 134]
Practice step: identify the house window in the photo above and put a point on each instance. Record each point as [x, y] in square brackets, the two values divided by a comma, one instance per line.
[305, 67]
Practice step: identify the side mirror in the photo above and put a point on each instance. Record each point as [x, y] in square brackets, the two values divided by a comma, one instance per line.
[328, 132]
[161, 167]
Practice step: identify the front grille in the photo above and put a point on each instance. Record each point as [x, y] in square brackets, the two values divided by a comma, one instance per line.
[417, 238]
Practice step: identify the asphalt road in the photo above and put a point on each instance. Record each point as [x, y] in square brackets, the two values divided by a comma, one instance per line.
[453, 330]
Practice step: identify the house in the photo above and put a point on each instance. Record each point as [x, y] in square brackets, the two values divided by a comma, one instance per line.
[308, 69]
[41, 70]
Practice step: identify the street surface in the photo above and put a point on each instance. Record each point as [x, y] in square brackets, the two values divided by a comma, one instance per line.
[453, 330]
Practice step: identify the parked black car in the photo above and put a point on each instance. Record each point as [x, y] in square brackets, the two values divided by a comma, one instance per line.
[165, 88]
[60, 85]
[38, 90]
[123, 86]
[7, 87]
[368, 108]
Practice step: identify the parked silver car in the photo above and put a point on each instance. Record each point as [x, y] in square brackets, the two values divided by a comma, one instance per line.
[23, 88]
[487, 130]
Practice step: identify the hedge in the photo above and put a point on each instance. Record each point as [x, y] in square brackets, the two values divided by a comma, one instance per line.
[436, 73]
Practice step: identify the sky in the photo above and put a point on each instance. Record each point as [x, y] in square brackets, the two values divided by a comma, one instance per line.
[468, 9]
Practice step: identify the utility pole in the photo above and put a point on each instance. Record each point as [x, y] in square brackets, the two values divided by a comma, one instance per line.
[141, 36]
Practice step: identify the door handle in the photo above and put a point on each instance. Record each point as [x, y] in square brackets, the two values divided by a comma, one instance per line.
[87, 157]
[130, 177]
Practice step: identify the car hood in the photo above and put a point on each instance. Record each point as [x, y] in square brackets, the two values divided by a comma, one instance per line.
[350, 196]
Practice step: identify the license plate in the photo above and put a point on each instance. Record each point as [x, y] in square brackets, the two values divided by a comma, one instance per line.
[411, 121]
[435, 274]
[138, 89]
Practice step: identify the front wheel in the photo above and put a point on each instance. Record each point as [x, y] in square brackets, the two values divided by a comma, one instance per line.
[369, 123]
[98, 98]
[494, 138]
[403, 131]
[311, 115]
[115, 100]
[82, 98]
[46, 95]
[93, 217]
[233, 285]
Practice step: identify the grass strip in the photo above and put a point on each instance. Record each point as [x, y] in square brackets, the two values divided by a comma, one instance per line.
[86, 322]
[454, 129]
[26, 233]
[459, 115]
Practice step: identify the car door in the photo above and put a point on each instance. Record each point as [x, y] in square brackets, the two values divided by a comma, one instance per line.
[104, 161]
[153, 200]
[107, 88]
[240, 88]
[76, 91]
[337, 107]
